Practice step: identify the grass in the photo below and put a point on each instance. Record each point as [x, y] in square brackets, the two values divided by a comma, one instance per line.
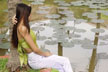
[104, 16]
[26, 2]
[3, 15]
[5, 60]
[3, 66]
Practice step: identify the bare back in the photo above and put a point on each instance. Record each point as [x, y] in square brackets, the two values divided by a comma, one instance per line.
[28, 50]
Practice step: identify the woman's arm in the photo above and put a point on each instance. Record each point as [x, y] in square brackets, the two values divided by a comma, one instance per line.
[24, 32]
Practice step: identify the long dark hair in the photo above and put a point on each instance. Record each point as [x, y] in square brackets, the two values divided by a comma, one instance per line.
[22, 13]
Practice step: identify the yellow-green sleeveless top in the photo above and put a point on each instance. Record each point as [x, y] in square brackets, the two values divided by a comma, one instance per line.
[22, 53]
[23, 44]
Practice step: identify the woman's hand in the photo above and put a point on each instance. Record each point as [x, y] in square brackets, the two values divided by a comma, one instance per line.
[14, 19]
[48, 54]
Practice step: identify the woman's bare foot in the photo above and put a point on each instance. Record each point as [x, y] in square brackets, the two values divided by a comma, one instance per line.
[46, 70]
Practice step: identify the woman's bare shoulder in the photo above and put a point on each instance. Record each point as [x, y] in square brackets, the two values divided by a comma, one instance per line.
[23, 30]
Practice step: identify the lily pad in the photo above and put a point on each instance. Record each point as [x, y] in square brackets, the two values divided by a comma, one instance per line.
[44, 7]
[102, 43]
[101, 11]
[102, 55]
[86, 41]
[96, 30]
[52, 16]
[67, 44]
[57, 23]
[76, 41]
[94, 6]
[105, 37]
[77, 3]
[58, 26]
[61, 21]
[5, 45]
[64, 8]
[97, 21]
[69, 18]
[38, 28]
[78, 21]
[51, 42]
[66, 12]
[60, 35]
[58, 30]
[40, 37]
[59, 1]
[68, 28]
[70, 15]
[71, 35]
[89, 46]
[54, 21]
[2, 36]
[42, 12]
[90, 15]
[62, 40]
[64, 4]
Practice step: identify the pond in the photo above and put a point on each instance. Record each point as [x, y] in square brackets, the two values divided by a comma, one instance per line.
[72, 29]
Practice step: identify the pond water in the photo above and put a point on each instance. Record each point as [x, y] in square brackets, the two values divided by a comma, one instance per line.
[78, 55]
[76, 25]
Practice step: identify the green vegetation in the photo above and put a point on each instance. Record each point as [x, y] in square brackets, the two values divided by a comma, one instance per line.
[104, 16]
[3, 11]
[77, 10]
[26, 2]
[3, 65]
[3, 15]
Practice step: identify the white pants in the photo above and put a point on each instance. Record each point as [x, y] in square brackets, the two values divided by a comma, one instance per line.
[54, 61]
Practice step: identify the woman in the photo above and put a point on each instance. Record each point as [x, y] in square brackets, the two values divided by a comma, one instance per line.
[24, 39]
